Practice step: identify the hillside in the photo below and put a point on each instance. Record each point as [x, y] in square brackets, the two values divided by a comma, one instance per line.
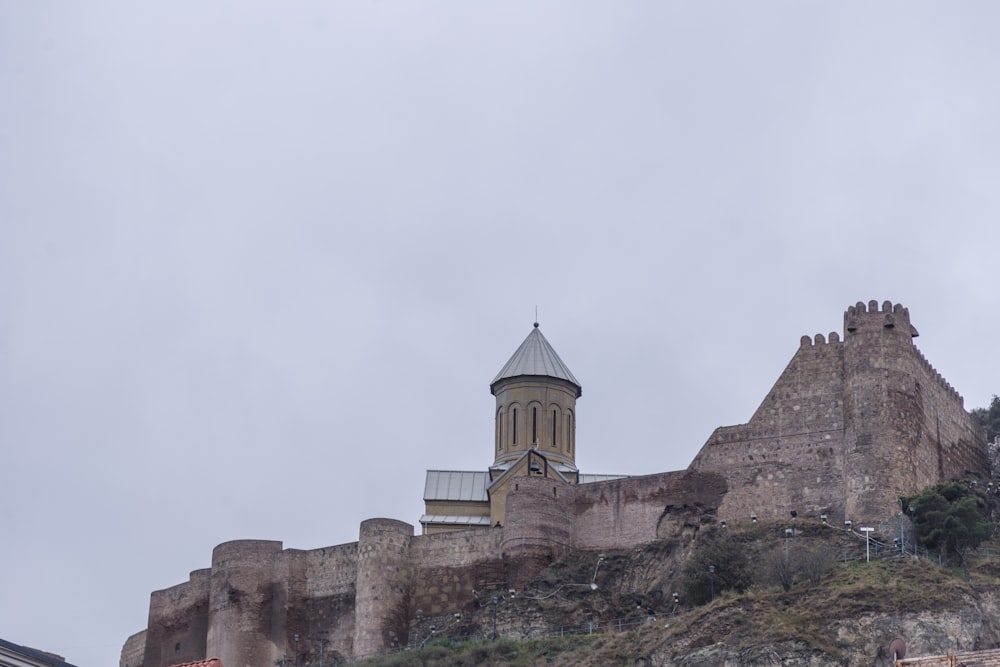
[838, 610]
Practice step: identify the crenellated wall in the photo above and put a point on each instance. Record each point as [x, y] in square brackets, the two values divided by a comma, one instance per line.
[848, 428]
[790, 454]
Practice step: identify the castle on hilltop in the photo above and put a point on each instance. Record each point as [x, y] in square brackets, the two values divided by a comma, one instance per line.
[852, 424]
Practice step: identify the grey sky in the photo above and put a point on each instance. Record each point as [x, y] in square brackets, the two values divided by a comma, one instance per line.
[253, 253]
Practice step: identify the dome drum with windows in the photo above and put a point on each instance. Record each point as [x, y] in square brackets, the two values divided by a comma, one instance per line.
[534, 435]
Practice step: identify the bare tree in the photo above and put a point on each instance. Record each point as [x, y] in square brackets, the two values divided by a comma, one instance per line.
[780, 568]
[814, 563]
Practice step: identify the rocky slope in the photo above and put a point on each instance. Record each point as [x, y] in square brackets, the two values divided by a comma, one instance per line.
[845, 615]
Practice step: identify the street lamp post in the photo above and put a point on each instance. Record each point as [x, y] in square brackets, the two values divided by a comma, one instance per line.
[902, 538]
[711, 580]
[494, 617]
[867, 531]
[788, 533]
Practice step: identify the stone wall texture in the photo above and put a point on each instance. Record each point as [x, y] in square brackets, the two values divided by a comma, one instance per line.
[178, 622]
[849, 427]
[331, 579]
[244, 619]
[854, 421]
[134, 650]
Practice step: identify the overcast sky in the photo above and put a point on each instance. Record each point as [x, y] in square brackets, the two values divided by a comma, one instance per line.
[254, 255]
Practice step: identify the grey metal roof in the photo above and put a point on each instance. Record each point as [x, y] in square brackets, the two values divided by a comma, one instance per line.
[455, 519]
[536, 357]
[36, 657]
[456, 485]
[589, 479]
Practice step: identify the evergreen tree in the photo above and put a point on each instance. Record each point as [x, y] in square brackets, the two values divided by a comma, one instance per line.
[989, 418]
[947, 517]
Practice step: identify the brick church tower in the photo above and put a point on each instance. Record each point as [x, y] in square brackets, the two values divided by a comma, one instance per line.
[536, 403]
[535, 431]
[535, 434]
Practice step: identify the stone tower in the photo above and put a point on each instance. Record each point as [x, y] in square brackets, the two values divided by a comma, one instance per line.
[534, 434]
[536, 404]
[905, 427]
[535, 430]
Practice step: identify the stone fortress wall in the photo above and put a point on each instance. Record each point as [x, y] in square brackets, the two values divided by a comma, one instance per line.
[850, 425]
[363, 597]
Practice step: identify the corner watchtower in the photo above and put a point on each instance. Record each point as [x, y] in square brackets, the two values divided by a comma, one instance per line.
[905, 427]
[536, 404]
[870, 321]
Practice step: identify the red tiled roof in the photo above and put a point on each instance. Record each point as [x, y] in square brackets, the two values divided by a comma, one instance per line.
[208, 662]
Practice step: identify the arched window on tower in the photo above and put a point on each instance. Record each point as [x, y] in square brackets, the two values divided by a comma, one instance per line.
[570, 434]
[534, 426]
[500, 429]
[513, 428]
[556, 427]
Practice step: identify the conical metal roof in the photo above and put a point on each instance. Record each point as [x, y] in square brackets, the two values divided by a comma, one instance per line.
[536, 357]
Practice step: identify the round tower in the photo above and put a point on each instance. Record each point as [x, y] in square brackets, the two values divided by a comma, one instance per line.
[241, 603]
[536, 404]
[380, 603]
[538, 529]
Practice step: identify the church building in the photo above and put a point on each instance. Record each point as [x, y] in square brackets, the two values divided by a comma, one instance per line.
[534, 434]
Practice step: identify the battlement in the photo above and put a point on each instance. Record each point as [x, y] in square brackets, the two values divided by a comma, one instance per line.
[832, 339]
[860, 318]
[938, 378]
